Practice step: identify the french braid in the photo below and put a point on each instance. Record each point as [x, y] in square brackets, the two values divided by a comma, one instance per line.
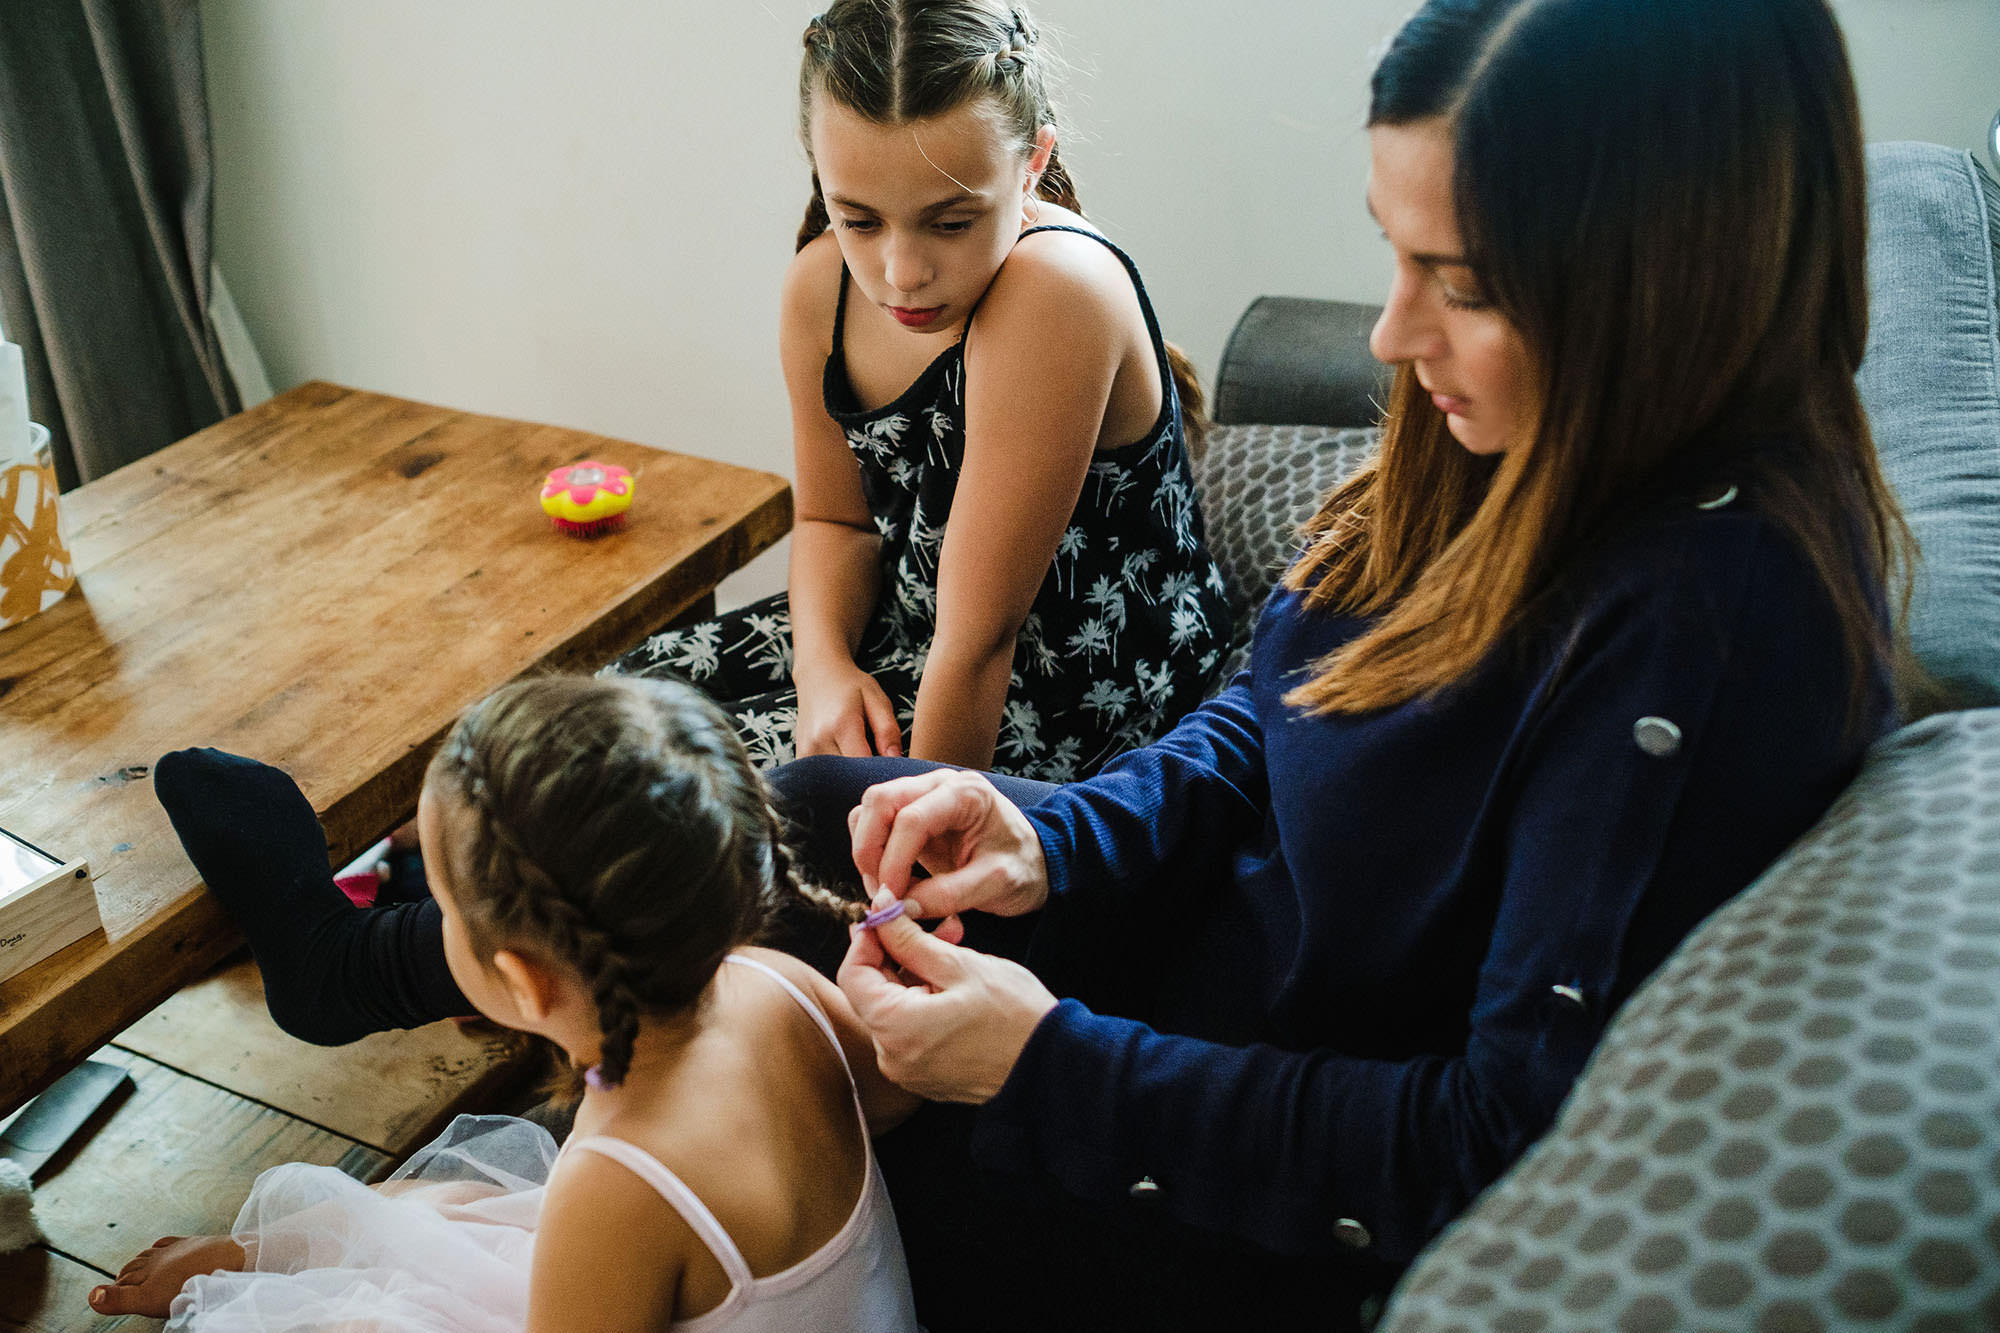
[617, 826]
[897, 61]
[894, 61]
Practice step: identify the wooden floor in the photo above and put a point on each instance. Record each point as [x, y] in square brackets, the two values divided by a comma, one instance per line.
[219, 1094]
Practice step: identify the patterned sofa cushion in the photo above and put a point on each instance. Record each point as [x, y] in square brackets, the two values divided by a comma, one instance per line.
[1793, 1126]
[1257, 485]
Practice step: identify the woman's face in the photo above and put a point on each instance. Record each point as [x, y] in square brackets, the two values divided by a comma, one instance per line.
[925, 212]
[1466, 354]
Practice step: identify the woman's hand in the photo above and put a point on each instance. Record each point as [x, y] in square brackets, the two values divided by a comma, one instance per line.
[978, 847]
[844, 710]
[948, 1023]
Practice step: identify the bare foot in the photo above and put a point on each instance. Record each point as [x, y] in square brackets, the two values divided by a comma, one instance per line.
[148, 1284]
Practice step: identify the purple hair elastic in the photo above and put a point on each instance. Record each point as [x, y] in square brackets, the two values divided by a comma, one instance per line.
[593, 1078]
[884, 916]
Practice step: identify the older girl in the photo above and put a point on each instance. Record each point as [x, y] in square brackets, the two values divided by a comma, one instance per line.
[1603, 629]
[998, 560]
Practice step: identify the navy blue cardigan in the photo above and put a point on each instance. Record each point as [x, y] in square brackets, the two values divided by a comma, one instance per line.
[1362, 959]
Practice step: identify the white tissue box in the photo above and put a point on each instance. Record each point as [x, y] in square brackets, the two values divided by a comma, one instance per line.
[46, 904]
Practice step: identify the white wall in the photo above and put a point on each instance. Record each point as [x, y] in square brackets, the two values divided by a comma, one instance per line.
[578, 213]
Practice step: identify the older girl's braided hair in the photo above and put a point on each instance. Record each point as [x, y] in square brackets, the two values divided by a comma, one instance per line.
[617, 824]
[897, 61]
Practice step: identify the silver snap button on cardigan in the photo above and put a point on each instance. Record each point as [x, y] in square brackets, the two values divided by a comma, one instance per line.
[1656, 736]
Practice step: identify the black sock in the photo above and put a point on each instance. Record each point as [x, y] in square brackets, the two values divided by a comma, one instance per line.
[332, 972]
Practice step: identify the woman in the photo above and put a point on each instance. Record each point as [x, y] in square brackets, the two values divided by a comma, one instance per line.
[998, 560]
[1602, 630]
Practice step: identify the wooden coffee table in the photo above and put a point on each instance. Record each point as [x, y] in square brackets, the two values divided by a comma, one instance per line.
[321, 582]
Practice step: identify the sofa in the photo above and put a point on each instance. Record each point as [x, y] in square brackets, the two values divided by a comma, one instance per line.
[1795, 1124]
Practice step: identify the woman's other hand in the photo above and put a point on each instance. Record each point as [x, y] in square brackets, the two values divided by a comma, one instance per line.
[948, 1022]
[977, 846]
[844, 710]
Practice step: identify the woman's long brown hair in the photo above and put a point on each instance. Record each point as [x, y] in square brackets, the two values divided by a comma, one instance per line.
[1666, 200]
[897, 61]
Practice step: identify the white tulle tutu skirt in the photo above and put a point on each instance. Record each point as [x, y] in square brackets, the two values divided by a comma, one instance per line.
[443, 1245]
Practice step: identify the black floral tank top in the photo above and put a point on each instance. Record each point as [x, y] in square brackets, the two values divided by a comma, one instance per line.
[1130, 621]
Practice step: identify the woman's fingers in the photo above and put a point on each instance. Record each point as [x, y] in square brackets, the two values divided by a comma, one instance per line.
[876, 985]
[948, 809]
[979, 884]
[978, 849]
[870, 822]
[947, 1023]
[923, 956]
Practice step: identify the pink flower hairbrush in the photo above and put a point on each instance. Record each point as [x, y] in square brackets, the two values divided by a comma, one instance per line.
[588, 498]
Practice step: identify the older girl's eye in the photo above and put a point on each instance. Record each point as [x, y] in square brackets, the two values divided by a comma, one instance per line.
[862, 225]
[955, 225]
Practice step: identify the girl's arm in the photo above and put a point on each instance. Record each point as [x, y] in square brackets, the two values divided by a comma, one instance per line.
[609, 1252]
[1040, 363]
[835, 546]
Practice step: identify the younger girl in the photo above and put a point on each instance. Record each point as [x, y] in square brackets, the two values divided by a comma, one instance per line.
[602, 852]
[998, 561]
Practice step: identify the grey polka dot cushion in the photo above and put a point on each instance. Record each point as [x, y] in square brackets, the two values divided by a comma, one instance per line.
[1257, 485]
[1796, 1124]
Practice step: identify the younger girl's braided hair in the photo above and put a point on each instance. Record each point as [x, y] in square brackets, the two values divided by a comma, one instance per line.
[897, 61]
[616, 824]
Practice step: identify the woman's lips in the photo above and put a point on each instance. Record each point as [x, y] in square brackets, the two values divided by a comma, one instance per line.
[915, 318]
[1449, 405]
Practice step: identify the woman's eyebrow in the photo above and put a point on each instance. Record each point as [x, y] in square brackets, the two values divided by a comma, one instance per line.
[1427, 259]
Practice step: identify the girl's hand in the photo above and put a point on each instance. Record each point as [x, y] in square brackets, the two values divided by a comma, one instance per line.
[845, 711]
[979, 848]
[948, 1023]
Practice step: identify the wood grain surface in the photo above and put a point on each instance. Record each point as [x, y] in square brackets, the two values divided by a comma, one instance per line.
[392, 1091]
[175, 1157]
[321, 582]
[43, 1292]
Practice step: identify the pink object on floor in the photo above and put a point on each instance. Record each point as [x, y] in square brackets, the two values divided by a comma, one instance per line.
[360, 889]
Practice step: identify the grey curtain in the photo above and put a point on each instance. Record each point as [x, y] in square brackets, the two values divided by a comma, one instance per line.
[105, 225]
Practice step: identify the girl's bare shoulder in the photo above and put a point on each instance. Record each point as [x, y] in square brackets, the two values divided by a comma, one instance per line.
[1069, 272]
[602, 1229]
[812, 279]
[823, 992]
[806, 308]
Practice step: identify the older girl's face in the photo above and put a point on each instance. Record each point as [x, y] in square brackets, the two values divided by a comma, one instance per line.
[1467, 356]
[926, 212]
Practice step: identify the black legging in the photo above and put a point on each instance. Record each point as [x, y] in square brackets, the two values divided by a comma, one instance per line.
[334, 973]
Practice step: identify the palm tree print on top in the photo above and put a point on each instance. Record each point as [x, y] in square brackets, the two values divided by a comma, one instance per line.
[1125, 632]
